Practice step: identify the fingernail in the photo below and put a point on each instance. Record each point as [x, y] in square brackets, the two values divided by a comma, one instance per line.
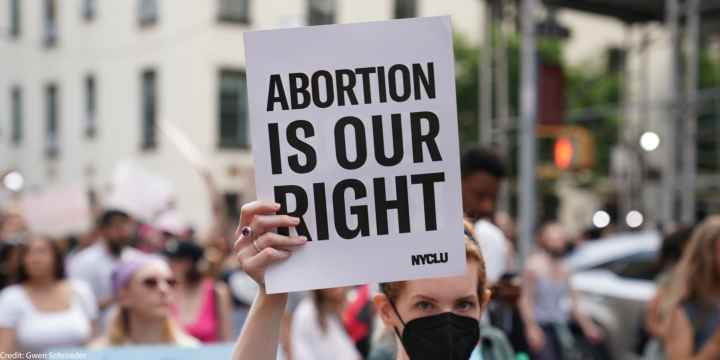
[296, 220]
[303, 239]
[276, 205]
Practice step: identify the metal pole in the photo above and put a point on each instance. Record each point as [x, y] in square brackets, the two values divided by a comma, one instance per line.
[670, 130]
[502, 102]
[485, 80]
[689, 163]
[626, 177]
[528, 111]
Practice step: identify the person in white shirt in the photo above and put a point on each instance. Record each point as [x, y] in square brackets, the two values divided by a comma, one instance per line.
[44, 311]
[317, 331]
[482, 172]
[95, 263]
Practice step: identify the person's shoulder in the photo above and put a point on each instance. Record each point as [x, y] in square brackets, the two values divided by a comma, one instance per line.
[184, 339]
[485, 231]
[80, 287]
[11, 294]
[536, 262]
[88, 255]
[130, 253]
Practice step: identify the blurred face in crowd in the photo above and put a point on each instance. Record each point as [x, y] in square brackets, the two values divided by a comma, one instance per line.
[39, 260]
[428, 297]
[118, 234]
[180, 266]
[554, 239]
[479, 191]
[150, 292]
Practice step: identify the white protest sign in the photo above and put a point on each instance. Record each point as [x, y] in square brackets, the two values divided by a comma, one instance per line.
[57, 211]
[138, 192]
[354, 129]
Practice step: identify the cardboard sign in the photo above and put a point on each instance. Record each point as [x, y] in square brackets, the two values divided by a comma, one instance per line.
[58, 211]
[354, 129]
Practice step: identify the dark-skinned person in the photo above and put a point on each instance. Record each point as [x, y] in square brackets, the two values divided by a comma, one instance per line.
[204, 305]
[144, 289]
[432, 318]
[481, 175]
[693, 331]
[95, 263]
[44, 310]
[548, 302]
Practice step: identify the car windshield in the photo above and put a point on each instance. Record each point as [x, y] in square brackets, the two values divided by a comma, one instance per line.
[639, 266]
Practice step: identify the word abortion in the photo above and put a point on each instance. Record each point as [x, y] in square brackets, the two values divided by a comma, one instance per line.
[324, 88]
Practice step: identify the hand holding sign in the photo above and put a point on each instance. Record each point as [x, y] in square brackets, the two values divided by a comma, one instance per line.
[260, 247]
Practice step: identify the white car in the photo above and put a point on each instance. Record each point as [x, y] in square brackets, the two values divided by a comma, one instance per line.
[615, 280]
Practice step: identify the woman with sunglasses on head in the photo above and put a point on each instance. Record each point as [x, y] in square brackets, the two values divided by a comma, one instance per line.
[44, 310]
[144, 289]
[432, 318]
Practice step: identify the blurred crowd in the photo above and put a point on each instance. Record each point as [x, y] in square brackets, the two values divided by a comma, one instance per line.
[130, 283]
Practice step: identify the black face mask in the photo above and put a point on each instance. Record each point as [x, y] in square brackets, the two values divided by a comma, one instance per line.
[444, 336]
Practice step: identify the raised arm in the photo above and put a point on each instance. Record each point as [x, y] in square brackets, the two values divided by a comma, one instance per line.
[256, 250]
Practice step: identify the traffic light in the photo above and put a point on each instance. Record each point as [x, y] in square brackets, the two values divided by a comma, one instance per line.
[563, 148]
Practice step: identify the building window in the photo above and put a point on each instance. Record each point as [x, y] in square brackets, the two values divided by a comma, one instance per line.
[233, 115]
[90, 107]
[148, 12]
[321, 12]
[89, 9]
[149, 110]
[405, 9]
[15, 18]
[16, 116]
[51, 121]
[233, 202]
[235, 11]
[51, 26]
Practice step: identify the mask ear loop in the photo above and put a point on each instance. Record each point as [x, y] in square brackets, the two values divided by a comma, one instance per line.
[392, 304]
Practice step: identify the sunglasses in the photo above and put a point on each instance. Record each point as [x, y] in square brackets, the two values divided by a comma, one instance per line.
[153, 283]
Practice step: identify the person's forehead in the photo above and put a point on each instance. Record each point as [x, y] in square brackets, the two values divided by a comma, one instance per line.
[480, 179]
[446, 288]
[153, 269]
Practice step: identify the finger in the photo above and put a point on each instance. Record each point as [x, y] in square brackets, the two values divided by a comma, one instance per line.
[249, 210]
[264, 258]
[275, 240]
[264, 223]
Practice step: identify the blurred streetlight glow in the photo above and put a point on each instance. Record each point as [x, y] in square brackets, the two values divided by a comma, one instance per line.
[649, 141]
[14, 181]
[601, 219]
[634, 219]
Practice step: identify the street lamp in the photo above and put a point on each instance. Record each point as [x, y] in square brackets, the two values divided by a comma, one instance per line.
[634, 219]
[601, 219]
[14, 181]
[649, 141]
